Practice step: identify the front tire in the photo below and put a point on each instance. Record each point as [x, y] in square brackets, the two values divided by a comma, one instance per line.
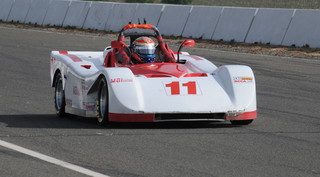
[103, 103]
[59, 97]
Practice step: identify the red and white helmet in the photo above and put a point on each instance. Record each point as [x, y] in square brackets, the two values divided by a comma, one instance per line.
[145, 48]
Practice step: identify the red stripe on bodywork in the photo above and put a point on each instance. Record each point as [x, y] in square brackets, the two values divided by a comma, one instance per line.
[117, 117]
[63, 52]
[74, 58]
[244, 116]
[196, 75]
[195, 57]
[155, 75]
[171, 69]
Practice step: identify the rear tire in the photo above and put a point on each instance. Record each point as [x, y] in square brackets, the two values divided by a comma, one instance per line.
[59, 97]
[103, 103]
[241, 122]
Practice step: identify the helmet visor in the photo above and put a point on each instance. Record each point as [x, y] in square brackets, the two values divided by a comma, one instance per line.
[146, 50]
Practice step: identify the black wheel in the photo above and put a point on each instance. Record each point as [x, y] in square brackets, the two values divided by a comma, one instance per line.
[241, 122]
[59, 99]
[103, 103]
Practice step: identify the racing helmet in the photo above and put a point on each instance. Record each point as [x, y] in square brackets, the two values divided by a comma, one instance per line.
[145, 48]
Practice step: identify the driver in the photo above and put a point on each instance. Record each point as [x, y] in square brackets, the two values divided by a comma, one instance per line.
[143, 50]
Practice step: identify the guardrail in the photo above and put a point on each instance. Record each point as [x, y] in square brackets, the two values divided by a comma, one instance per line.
[286, 27]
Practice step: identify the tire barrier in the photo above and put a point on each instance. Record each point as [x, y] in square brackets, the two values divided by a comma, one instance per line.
[288, 27]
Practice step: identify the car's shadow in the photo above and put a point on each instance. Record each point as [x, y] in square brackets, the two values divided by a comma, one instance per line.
[75, 122]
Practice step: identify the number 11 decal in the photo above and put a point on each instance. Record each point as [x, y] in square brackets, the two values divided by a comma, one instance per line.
[182, 88]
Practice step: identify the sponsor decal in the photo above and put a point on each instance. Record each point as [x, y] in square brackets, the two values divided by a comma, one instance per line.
[243, 79]
[68, 102]
[89, 105]
[76, 90]
[53, 60]
[119, 80]
[84, 88]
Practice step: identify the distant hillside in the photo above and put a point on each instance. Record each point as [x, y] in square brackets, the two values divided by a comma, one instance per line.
[294, 4]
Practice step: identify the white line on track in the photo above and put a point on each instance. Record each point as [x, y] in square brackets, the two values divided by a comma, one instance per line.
[51, 159]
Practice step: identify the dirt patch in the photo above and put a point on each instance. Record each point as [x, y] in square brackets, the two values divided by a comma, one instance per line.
[261, 49]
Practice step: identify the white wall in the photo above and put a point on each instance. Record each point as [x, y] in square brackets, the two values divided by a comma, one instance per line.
[304, 29]
[56, 13]
[234, 24]
[5, 8]
[19, 10]
[121, 14]
[202, 22]
[77, 13]
[270, 26]
[98, 15]
[275, 26]
[150, 12]
[173, 19]
[37, 11]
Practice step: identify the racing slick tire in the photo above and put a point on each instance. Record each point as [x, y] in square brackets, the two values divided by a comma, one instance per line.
[103, 103]
[59, 97]
[241, 122]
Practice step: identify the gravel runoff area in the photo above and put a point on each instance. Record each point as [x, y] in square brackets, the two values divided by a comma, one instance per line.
[260, 49]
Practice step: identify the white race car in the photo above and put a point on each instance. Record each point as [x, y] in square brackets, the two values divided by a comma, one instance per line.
[115, 85]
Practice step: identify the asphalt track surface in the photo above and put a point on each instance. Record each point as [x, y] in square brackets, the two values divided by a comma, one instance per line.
[283, 141]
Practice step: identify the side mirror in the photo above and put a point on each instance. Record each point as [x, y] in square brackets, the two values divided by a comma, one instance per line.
[186, 43]
[118, 44]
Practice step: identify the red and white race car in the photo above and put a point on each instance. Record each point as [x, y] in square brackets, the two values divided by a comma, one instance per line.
[119, 84]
